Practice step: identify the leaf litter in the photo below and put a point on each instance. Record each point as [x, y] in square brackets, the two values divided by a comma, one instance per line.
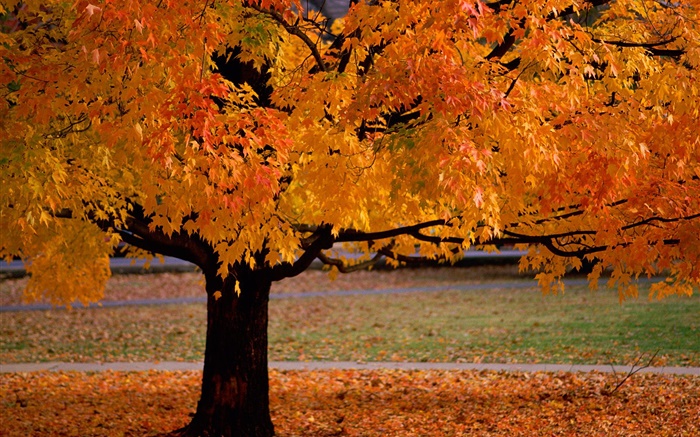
[173, 285]
[362, 403]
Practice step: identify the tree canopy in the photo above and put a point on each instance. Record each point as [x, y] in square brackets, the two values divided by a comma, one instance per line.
[416, 129]
[250, 137]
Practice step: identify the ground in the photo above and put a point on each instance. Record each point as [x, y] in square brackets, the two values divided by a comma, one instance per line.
[500, 324]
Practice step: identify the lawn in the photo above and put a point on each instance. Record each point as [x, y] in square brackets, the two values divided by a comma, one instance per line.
[487, 325]
[496, 325]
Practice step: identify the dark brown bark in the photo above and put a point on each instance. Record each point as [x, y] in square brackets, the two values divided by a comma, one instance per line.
[234, 399]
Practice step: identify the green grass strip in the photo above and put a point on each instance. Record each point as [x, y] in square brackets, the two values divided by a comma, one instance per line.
[493, 325]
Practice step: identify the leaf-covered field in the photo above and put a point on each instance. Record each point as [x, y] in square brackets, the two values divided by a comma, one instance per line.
[493, 325]
[170, 285]
[362, 403]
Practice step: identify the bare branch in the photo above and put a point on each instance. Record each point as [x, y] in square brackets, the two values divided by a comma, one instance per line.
[632, 371]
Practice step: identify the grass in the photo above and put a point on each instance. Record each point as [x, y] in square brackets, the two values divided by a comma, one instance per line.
[490, 326]
[497, 325]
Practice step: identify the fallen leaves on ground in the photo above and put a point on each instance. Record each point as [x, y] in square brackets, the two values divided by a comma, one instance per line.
[362, 403]
[173, 285]
[139, 333]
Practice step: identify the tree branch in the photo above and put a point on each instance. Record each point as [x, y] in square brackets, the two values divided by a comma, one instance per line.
[575, 213]
[351, 235]
[572, 9]
[346, 268]
[496, 6]
[633, 370]
[294, 30]
[647, 45]
[320, 240]
[408, 259]
[552, 241]
[671, 53]
[650, 220]
[501, 49]
[509, 39]
[179, 245]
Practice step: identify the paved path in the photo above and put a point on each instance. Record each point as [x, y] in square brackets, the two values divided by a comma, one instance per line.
[347, 365]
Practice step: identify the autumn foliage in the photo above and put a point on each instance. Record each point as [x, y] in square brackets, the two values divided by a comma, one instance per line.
[571, 127]
[247, 138]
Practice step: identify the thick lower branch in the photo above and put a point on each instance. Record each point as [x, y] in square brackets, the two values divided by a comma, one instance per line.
[151, 246]
[179, 244]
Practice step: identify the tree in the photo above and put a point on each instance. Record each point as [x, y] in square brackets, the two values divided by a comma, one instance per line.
[233, 135]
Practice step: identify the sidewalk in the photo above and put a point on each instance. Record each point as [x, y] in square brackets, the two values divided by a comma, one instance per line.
[347, 365]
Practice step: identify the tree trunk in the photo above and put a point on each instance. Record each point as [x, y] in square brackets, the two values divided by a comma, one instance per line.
[234, 399]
